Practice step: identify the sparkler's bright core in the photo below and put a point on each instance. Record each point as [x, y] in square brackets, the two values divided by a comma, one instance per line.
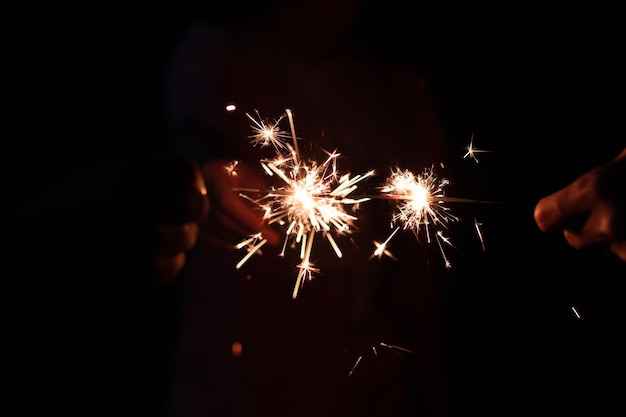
[419, 197]
[304, 200]
[417, 193]
[268, 135]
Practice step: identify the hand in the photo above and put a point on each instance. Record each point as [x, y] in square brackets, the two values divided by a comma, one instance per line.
[179, 199]
[232, 216]
[85, 261]
[123, 225]
[591, 211]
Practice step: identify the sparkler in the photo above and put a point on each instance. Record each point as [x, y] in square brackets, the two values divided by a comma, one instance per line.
[311, 200]
[420, 207]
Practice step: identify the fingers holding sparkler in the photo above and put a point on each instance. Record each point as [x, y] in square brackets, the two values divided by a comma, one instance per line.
[590, 210]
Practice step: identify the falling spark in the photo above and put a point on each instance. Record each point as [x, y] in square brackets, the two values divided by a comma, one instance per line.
[311, 199]
[575, 311]
[358, 361]
[420, 206]
[479, 233]
[394, 348]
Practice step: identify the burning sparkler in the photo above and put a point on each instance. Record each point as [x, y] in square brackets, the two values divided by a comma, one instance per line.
[420, 207]
[311, 199]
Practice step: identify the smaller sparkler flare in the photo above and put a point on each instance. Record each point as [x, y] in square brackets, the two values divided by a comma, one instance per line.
[374, 348]
[266, 133]
[420, 206]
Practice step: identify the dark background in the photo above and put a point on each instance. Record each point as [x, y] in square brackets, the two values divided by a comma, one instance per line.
[542, 88]
[82, 82]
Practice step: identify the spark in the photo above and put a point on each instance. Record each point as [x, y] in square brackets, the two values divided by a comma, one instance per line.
[394, 348]
[575, 311]
[441, 240]
[381, 248]
[420, 206]
[266, 133]
[479, 233]
[472, 151]
[253, 245]
[231, 168]
[358, 361]
[310, 200]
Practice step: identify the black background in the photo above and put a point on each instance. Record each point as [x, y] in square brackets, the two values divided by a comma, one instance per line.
[543, 88]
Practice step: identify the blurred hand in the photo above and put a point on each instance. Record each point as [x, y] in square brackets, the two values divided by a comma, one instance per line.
[591, 211]
[124, 225]
[232, 216]
[180, 200]
[84, 262]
